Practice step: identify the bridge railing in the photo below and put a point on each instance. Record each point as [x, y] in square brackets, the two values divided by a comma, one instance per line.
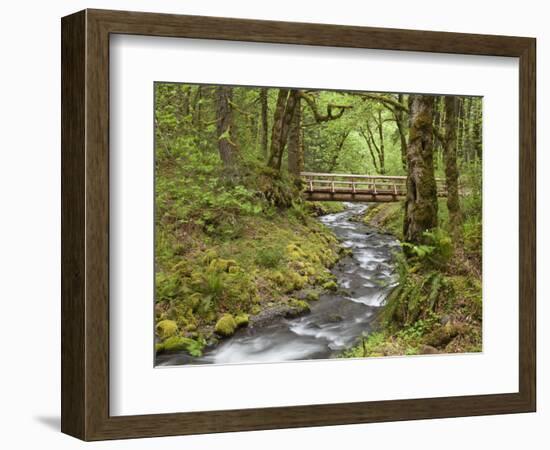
[351, 183]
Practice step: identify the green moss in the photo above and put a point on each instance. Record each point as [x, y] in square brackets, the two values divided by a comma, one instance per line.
[241, 320]
[298, 306]
[203, 274]
[166, 328]
[222, 265]
[387, 217]
[294, 252]
[178, 344]
[324, 208]
[312, 296]
[330, 286]
[294, 281]
[226, 325]
[441, 336]
[269, 257]
[277, 277]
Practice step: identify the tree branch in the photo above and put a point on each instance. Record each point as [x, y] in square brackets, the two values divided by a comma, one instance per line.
[315, 110]
[384, 100]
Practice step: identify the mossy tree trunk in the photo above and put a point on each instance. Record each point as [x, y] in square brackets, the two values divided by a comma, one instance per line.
[284, 111]
[263, 122]
[224, 121]
[451, 168]
[467, 129]
[421, 199]
[403, 130]
[295, 143]
[476, 129]
[185, 100]
[197, 114]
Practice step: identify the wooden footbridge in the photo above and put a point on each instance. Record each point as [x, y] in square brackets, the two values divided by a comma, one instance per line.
[358, 188]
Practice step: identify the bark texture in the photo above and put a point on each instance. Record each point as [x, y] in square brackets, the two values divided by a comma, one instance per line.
[284, 111]
[295, 143]
[451, 168]
[224, 120]
[263, 125]
[421, 200]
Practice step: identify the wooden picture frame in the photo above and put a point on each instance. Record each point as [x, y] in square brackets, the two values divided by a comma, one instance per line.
[85, 224]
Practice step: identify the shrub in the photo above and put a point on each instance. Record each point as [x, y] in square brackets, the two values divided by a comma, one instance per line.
[416, 296]
[436, 251]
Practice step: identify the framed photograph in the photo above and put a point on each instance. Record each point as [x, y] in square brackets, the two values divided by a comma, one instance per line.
[273, 225]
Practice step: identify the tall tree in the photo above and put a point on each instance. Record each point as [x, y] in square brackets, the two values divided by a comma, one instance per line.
[373, 153]
[421, 199]
[451, 167]
[468, 129]
[186, 94]
[338, 150]
[401, 121]
[224, 120]
[376, 148]
[476, 129]
[263, 121]
[295, 143]
[284, 110]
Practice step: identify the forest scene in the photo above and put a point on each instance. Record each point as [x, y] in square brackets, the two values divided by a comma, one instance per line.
[296, 224]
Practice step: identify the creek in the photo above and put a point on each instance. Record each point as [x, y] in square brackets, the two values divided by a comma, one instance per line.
[336, 321]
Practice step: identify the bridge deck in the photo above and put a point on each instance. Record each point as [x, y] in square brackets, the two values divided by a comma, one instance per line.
[358, 188]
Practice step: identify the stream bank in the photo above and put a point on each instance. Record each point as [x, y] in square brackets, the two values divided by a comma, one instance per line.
[335, 321]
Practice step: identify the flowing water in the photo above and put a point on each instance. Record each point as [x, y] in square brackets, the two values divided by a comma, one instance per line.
[336, 320]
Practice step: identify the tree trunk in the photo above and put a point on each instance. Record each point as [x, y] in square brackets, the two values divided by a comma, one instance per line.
[263, 125]
[224, 121]
[197, 115]
[476, 132]
[381, 155]
[460, 125]
[401, 122]
[186, 94]
[339, 146]
[286, 104]
[421, 200]
[468, 129]
[295, 147]
[371, 151]
[451, 169]
[277, 128]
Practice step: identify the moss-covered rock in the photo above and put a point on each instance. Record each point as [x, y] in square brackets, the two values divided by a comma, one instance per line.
[441, 336]
[241, 320]
[330, 286]
[298, 307]
[294, 281]
[312, 296]
[166, 328]
[226, 325]
[178, 344]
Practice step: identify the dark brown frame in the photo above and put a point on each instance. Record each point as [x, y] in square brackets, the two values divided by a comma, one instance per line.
[85, 224]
